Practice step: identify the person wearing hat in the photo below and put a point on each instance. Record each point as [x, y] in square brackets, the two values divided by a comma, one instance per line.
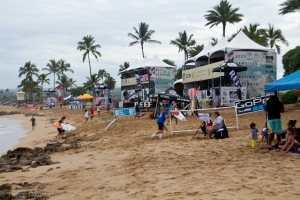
[160, 122]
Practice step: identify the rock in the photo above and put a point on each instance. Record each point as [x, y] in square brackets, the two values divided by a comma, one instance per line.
[63, 188]
[53, 147]
[41, 161]
[25, 170]
[16, 167]
[5, 195]
[35, 195]
[50, 169]
[5, 187]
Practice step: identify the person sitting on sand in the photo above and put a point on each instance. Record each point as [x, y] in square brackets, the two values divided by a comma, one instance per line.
[290, 124]
[86, 115]
[160, 122]
[60, 130]
[33, 122]
[217, 124]
[290, 141]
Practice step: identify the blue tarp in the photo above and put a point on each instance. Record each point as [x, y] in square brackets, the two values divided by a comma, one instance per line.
[289, 82]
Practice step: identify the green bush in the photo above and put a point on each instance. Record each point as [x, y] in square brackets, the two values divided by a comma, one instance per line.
[289, 97]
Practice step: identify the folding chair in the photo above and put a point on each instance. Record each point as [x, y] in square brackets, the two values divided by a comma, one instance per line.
[203, 129]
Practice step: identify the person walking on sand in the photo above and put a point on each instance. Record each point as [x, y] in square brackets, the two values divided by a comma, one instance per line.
[86, 115]
[160, 122]
[92, 112]
[60, 130]
[98, 109]
[254, 132]
[33, 122]
[137, 111]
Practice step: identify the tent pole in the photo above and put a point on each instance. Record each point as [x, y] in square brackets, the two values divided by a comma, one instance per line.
[156, 106]
[267, 135]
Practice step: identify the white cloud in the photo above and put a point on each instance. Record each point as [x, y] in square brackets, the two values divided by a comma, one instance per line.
[38, 31]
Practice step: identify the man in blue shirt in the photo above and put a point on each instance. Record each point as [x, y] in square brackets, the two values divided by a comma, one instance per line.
[160, 122]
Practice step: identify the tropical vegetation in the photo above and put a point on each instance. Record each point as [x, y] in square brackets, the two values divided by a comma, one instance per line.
[289, 6]
[142, 35]
[223, 13]
[291, 61]
[53, 68]
[214, 41]
[184, 43]
[195, 50]
[42, 78]
[123, 67]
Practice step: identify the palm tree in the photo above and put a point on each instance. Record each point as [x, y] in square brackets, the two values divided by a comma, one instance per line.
[65, 83]
[7, 90]
[29, 70]
[214, 41]
[110, 82]
[123, 67]
[223, 13]
[64, 67]
[142, 35]
[94, 78]
[53, 68]
[195, 50]
[42, 78]
[102, 74]
[233, 35]
[1, 91]
[87, 45]
[169, 62]
[178, 73]
[28, 86]
[256, 34]
[274, 36]
[183, 42]
[289, 6]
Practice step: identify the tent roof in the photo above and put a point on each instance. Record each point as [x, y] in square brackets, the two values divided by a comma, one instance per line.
[222, 43]
[156, 62]
[178, 81]
[170, 94]
[242, 41]
[289, 82]
[204, 52]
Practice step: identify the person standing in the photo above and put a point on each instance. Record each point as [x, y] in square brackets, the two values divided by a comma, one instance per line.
[274, 107]
[92, 112]
[98, 109]
[253, 134]
[33, 122]
[86, 115]
[298, 95]
[137, 111]
[60, 130]
[108, 107]
[160, 122]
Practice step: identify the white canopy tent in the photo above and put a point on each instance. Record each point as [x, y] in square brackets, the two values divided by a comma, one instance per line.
[156, 62]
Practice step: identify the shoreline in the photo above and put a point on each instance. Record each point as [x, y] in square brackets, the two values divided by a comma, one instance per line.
[31, 138]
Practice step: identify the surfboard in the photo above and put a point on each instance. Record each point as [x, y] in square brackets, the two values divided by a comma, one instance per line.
[68, 127]
[178, 115]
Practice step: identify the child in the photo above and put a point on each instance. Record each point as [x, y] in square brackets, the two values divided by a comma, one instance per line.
[253, 134]
[86, 115]
[290, 141]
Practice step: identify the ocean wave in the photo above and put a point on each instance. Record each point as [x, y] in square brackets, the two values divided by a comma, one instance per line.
[3, 132]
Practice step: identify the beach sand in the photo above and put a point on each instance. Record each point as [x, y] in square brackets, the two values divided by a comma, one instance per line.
[125, 164]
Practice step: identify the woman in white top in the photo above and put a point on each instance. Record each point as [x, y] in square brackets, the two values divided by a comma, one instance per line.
[98, 109]
[86, 115]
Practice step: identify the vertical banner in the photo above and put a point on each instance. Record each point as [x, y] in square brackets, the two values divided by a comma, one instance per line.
[59, 93]
[237, 83]
[108, 95]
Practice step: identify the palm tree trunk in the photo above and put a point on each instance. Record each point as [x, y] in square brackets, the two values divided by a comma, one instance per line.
[224, 27]
[142, 50]
[42, 95]
[90, 66]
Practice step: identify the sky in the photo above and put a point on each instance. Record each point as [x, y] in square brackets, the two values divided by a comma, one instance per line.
[40, 30]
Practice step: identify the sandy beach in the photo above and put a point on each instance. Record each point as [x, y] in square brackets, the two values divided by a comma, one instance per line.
[123, 163]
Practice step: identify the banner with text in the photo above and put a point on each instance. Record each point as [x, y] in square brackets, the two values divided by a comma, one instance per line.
[250, 105]
[124, 112]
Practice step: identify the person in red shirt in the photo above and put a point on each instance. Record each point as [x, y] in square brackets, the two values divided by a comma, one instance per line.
[92, 112]
[298, 95]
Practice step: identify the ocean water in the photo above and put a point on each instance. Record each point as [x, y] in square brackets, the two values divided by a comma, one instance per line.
[10, 132]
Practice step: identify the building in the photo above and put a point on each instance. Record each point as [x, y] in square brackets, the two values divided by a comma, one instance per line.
[160, 74]
[259, 60]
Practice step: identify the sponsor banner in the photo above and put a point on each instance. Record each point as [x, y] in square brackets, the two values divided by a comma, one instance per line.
[229, 95]
[145, 104]
[124, 112]
[132, 81]
[201, 73]
[250, 105]
[261, 69]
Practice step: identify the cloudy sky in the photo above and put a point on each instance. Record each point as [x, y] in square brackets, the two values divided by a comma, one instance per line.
[40, 30]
